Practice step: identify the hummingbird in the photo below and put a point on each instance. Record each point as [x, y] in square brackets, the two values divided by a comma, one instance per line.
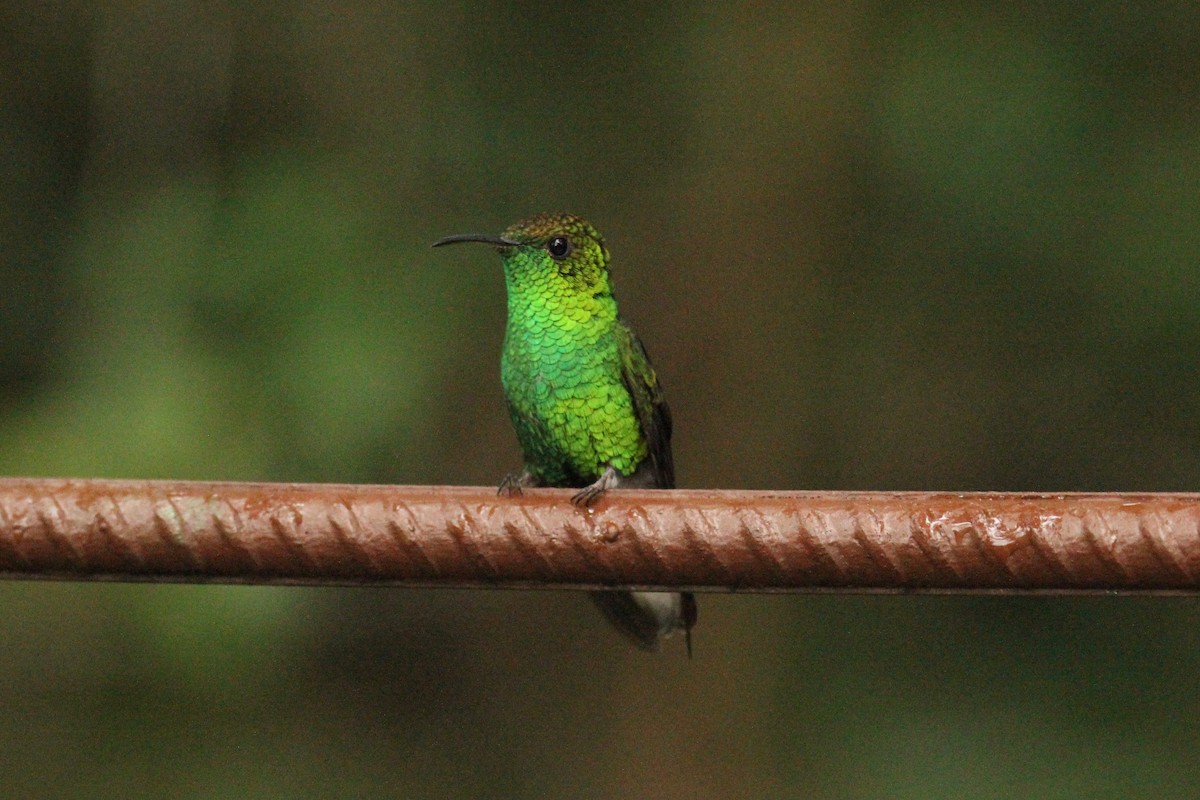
[586, 404]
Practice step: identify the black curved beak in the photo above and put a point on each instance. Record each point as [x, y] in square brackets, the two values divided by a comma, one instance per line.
[495, 241]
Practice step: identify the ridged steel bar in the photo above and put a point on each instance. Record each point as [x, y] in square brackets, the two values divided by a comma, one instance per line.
[704, 540]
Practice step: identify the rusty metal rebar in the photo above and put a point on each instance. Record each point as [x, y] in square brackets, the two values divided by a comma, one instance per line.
[704, 540]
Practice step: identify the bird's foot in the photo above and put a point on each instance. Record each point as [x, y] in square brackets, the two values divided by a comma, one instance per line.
[514, 483]
[591, 493]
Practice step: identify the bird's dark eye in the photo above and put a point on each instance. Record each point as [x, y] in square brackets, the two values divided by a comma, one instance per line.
[558, 247]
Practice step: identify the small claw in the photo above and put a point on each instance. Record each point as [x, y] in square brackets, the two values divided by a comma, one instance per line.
[592, 492]
[585, 497]
[514, 483]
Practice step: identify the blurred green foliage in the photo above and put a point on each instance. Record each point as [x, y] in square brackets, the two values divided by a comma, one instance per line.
[884, 247]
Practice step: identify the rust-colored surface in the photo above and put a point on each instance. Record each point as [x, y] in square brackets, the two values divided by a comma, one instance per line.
[707, 540]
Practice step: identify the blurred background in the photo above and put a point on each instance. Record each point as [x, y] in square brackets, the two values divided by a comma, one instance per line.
[870, 246]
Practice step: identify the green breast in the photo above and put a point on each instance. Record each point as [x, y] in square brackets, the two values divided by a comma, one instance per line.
[572, 414]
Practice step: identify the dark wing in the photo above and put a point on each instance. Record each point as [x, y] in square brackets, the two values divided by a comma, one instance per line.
[648, 403]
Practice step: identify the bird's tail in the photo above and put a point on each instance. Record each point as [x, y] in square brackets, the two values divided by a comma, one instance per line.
[645, 617]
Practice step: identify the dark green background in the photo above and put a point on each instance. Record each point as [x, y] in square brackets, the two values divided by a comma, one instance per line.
[869, 245]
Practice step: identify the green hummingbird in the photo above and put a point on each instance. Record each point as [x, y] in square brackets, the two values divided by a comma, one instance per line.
[586, 404]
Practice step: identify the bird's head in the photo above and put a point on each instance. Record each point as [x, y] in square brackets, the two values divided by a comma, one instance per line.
[551, 253]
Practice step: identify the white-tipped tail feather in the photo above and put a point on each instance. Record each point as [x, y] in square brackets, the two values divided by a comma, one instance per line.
[645, 617]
